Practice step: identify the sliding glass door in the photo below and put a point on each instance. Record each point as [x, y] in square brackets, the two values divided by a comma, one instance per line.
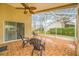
[12, 30]
[20, 30]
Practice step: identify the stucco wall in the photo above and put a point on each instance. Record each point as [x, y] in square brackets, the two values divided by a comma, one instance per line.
[9, 13]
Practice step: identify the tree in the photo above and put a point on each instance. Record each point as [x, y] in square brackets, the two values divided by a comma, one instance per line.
[64, 19]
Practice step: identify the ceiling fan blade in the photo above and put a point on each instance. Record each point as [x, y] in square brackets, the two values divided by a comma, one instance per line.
[24, 5]
[31, 11]
[33, 8]
[20, 8]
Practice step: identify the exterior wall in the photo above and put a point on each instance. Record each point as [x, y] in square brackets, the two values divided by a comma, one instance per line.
[9, 13]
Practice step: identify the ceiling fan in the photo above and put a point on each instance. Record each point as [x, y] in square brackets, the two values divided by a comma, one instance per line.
[27, 8]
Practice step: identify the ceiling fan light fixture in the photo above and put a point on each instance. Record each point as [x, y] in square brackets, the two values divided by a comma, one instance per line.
[25, 12]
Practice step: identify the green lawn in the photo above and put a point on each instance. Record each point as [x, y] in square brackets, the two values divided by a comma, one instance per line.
[68, 31]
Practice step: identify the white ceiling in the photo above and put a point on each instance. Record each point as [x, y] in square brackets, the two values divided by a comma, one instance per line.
[40, 6]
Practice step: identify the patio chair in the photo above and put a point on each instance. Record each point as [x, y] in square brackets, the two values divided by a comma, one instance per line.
[34, 34]
[37, 45]
[25, 41]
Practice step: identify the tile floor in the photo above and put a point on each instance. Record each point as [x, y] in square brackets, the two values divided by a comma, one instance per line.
[53, 47]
